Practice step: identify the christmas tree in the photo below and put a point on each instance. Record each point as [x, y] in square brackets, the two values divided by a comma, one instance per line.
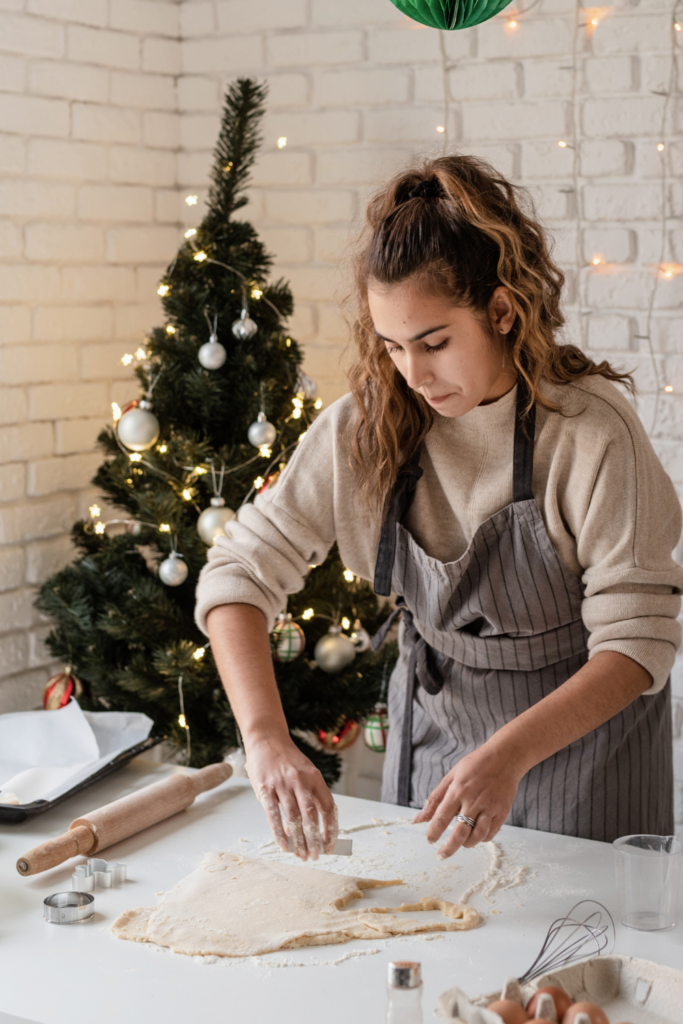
[224, 404]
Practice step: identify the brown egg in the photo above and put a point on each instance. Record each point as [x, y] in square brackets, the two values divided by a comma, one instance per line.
[509, 1011]
[560, 998]
[593, 1012]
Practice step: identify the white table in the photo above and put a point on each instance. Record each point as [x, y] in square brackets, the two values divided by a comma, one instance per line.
[54, 974]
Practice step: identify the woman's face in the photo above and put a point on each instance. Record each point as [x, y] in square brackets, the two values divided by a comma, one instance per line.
[444, 351]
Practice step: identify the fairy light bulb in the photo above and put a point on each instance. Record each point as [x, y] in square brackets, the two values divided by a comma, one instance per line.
[513, 25]
[668, 387]
[163, 448]
[200, 256]
[100, 528]
[191, 200]
[440, 128]
[187, 494]
[308, 614]
[127, 359]
[170, 329]
[200, 471]
[163, 289]
[595, 22]
[265, 452]
[288, 342]
[258, 483]
[182, 722]
[94, 511]
[164, 528]
[282, 142]
[199, 653]
[190, 233]
[346, 623]
[348, 575]
[562, 144]
[301, 437]
[115, 412]
[660, 147]
[596, 261]
[135, 457]
[678, 26]
[256, 293]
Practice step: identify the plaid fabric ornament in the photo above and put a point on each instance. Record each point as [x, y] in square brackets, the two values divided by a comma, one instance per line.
[450, 14]
[375, 729]
[288, 639]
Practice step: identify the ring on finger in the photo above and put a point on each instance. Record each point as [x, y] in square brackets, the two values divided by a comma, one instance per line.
[467, 821]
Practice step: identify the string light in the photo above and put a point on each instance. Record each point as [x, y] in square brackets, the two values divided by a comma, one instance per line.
[308, 614]
[135, 457]
[348, 575]
[597, 261]
[141, 354]
[187, 494]
[301, 436]
[115, 412]
[282, 142]
[228, 167]
[100, 528]
[512, 25]
[318, 404]
[163, 448]
[170, 329]
[199, 653]
[163, 289]
[660, 147]
[164, 528]
[190, 233]
[297, 403]
[258, 483]
[562, 144]
[182, 722]
[191, 200]
[345, 623]
[595, 22]
[668, 387]
[440, 128]
[265, 452]
[678, 26]
[127, 359]
[256, 293]
[200, 471]
[94, 511]
[200, 256]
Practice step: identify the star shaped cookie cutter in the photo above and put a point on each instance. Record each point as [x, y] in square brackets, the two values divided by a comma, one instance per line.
[97, 873]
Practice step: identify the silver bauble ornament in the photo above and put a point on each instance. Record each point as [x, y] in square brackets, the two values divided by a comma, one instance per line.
[334, 651]
[360, 638]
[138, 428]
[306, 385]
[212, 355]
[261, 432]
[244, 328]
[211, 523]
[173, 570]
[289, 639]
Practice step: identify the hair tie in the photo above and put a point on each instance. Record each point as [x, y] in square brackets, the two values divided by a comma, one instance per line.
[429, 189]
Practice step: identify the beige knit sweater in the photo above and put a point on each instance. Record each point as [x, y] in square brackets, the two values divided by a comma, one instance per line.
[609, 508]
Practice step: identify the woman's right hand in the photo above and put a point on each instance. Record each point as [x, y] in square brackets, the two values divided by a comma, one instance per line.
[294, 796]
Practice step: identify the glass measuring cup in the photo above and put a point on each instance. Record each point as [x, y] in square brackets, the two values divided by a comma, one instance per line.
[648, 872]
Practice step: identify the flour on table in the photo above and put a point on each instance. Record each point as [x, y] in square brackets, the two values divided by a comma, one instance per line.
[236, 906]
[498, 875]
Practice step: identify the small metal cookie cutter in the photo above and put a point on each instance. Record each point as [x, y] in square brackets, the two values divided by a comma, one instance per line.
[69, 908]
[97, 872]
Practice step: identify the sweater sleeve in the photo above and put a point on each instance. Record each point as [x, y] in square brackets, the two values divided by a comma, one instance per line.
[271, 544]
[631, 525]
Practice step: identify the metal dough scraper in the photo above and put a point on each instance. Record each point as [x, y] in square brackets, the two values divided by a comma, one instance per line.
[342, 847]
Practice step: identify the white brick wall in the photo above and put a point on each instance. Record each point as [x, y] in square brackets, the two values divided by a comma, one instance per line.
[88, 137]
[103, 103]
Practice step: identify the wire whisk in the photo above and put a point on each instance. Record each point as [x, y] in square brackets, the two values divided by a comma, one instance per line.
[568, 938]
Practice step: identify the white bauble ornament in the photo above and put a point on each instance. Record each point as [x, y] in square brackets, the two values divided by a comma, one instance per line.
[334, 651]
[138, 428]
[244, 328]
[360, 638]
[211, 523]
[289, 639]
[173, 570]
[212, 355]
[261, 432]
[306, 385]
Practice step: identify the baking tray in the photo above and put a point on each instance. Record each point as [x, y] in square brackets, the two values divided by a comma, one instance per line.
[14, 814]
[626, 988]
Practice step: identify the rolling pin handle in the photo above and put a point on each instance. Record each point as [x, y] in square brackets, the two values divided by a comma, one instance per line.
[56, 851]
[210, 777]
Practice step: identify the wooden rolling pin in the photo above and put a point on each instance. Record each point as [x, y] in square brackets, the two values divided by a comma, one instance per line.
[123, 818]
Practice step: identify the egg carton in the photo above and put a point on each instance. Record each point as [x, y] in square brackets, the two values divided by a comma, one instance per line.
[626, 988]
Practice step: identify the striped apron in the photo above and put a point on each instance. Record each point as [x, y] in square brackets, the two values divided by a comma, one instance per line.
[488, 636]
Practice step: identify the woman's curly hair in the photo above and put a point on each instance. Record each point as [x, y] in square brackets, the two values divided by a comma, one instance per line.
[462, 230]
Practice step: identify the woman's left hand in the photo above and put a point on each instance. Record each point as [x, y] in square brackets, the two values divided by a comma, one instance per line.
[482, 786]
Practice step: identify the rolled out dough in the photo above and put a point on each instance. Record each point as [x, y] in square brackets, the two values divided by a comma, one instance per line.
[238, 906]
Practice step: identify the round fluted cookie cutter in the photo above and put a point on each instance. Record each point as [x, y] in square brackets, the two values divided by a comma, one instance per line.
[69, 908]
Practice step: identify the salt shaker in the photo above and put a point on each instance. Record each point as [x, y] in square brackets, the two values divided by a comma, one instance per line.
[404, 983]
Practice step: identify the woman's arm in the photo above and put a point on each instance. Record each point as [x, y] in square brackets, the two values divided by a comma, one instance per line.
[291, 789]
[484, 784]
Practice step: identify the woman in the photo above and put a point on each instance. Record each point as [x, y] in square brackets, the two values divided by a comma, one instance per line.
[501, 484]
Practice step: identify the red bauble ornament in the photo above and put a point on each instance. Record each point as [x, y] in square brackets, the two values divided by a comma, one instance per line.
[344, 737]
[60, 689]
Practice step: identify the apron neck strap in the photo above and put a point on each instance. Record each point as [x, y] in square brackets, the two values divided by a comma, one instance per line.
[523, 461]
[396, 508]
